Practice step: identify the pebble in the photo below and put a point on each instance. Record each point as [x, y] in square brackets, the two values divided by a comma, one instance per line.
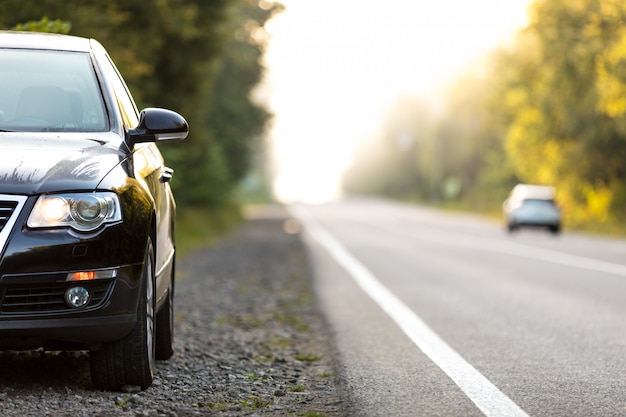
[235, 354]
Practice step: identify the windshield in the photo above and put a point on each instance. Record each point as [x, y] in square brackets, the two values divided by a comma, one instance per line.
[49, 91]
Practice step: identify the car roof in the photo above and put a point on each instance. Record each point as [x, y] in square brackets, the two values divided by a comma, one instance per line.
[38, 40]
[544, 192]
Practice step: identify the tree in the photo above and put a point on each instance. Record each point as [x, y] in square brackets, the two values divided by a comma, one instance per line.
[233, 122]
[200, 58]
[396, 163]
[561, 95]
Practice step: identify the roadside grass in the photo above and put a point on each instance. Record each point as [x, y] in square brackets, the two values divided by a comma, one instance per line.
[307, 358]
[279, 343]
[250, 404]
[261, 377]
[247, 321]
[196, 226]
[610, 227]
[296, 322]
[254, 402]
[291, 299]
[287, 311]
[217, 405]
[297, 388]
[121, 401]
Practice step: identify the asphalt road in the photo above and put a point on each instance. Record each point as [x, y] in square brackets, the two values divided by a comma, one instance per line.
[441, 314]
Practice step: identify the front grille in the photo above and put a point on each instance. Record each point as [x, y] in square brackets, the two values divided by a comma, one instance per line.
[49, 298]
[10, 208]
[6, 209]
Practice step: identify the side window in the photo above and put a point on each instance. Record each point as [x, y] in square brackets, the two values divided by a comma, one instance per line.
[127, 106]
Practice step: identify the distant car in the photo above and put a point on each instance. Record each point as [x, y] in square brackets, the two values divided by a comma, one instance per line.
[532, 206]
[87, 244]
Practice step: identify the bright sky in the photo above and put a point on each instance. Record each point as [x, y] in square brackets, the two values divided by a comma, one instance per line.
[335, 66]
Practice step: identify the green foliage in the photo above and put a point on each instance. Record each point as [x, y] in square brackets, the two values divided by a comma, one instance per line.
[234, 123]
[400, 161]
[45, 25]
[563, 100]
[200, 58]
[307, 358]
[551, 109]
[201, 226]
[254, 402]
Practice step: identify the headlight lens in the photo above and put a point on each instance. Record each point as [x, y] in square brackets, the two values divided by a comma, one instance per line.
[82, 212]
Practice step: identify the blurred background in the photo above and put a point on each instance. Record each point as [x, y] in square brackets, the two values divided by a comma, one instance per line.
[449, 103]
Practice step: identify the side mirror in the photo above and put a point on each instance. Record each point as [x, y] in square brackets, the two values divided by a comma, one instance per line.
[156, 125]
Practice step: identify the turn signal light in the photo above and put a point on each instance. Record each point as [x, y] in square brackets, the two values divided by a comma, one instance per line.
[82, 276]
[90, 275]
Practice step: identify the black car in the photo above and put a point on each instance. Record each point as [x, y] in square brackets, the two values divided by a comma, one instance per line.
[87, 252]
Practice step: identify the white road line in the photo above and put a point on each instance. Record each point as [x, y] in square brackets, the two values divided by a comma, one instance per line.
[487, 397]
[512, 248]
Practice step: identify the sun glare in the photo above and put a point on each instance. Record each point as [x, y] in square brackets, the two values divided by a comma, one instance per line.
[335, 67]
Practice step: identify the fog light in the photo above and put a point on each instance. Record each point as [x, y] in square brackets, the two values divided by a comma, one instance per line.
[76, 297]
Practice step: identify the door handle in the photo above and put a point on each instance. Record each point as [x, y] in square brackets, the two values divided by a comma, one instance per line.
[166, 175]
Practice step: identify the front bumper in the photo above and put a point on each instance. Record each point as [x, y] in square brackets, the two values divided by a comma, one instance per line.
[33, 311]
[78, 333]
[34, 270]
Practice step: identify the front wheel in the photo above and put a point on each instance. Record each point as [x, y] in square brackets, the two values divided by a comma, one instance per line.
[130, 361]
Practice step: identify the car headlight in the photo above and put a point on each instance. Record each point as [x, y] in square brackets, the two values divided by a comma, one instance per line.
[81, 211]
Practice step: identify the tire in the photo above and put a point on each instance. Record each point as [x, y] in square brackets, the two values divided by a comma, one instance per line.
[555, 229]
[164, 341]
[129, 362]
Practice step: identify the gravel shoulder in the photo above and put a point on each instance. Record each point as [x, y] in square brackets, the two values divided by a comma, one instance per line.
[250, 341]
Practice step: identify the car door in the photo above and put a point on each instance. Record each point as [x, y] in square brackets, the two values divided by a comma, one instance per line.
[148, 167]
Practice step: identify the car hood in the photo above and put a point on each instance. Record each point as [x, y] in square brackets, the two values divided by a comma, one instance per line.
[47, 162]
